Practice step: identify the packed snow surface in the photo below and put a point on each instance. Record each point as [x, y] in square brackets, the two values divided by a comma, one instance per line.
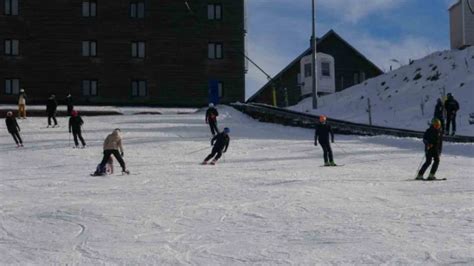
[266, 202]
[405, 98]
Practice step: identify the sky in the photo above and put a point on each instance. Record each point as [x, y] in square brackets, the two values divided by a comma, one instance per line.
[382, 30]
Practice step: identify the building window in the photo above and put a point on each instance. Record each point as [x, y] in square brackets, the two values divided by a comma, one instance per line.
[89, 87]
[215, 51]
[139, 88]
[89, 48]
[220, 89]
[138, 49]
[12, 47]
[214, 12]
[11, 7]
[362, 77]
[89, 8]
[307, 70]
[12, 86]
[326, 69]
[137, 9]
[356, 78]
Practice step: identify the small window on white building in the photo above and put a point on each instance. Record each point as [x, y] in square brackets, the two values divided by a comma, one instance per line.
[12, 86]
[138, 49]
[215, 50]
[137, 9]
[139, 88]
[89, 8]
[214, 12]
[89, 87]
[326, 69]
[307, 70]
[89, 48]
[11, 7]
[12, 47]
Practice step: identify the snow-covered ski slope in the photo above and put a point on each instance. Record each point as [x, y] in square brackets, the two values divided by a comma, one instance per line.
[396, 97]
[267, 202]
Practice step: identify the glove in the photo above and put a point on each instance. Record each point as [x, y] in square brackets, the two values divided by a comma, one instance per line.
[332, 141]
[69, 131]
[429, 146]
[315, 144]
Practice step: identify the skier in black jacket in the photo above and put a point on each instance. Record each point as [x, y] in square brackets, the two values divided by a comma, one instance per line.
[321, 135]
[211, 119]
[439, 112]
[221, 144]
[13, 129]
[452, 107]
[51, 107]
[69, 104]
[75, 124]
[433, 140]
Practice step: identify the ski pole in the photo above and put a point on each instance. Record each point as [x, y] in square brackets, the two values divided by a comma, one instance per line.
[419, 166]
[341, 148]
[196, 151]
[69, 143]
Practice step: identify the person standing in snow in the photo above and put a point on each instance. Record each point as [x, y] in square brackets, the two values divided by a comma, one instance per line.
[321, 135]
[220, 143]
[22, 104]
[13, 129]
[439, 112]
[51, 107]
[112, 146]
[69, 104]
[433, 140]
[211, 119]
[75, 124]
[452, 107]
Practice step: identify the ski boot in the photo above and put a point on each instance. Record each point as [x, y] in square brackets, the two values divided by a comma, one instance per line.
[204, 162]
[431, 177]
[332, 163]
[125, 172]
[213, 162]
[419, 177]
[327, 164]
[18, 145]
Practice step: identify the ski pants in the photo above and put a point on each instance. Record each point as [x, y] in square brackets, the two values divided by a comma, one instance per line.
[22, 110]
[213, 126]
[431, 155]
[451, 119]
[215, 150]
[16, 137]
[78, 134]
[52, 116]
[327, 152]
[107, 154]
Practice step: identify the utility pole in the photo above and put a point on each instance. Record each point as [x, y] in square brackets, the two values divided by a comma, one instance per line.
[313, 59]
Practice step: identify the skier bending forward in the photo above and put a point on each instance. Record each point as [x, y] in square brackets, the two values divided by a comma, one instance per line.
[220, 143]
[322, 135]
[112, 145]
[13, 129]
[433, 140]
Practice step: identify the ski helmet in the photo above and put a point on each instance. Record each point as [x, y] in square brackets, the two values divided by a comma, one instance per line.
[322, 119]
[74, 113]
[436, 123]
[9, 113]
[226, 130]
[211, 105]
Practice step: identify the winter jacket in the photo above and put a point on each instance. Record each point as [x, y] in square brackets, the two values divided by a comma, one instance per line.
[433, 139]
[12, 125]
[439, 110]
[322, 133]
[75, 123]
[221, 141]
[113, 142]
[451, 105]
[211, 114]
[22, 99]
[51, 106]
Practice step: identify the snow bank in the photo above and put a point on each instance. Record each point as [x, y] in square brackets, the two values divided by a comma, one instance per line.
[397, 96]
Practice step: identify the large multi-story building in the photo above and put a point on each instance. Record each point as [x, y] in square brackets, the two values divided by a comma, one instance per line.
[153, 52]
[461, 16]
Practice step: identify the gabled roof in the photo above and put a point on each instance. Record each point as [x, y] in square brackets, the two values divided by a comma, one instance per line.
[454, 5]
[308, 52]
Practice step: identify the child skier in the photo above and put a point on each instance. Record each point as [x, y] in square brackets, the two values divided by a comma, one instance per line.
[75, 124]
[13, 129]
[112, 146]
[322, 135]
[211, 119]
[220, 143]
[433, 140]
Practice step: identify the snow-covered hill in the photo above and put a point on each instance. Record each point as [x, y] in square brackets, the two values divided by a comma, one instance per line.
[397, 97]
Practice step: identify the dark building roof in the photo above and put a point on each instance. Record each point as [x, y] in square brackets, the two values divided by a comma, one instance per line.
[308, 51]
